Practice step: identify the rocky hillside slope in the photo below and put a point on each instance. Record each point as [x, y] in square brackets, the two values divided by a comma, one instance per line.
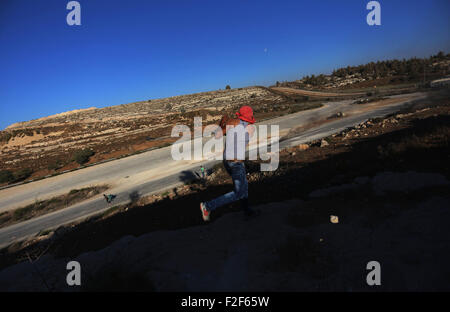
[47, 145]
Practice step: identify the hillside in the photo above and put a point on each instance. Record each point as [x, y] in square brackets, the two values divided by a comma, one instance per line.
[47, 145]
[386, 180]
[62, 142]
[376, 74]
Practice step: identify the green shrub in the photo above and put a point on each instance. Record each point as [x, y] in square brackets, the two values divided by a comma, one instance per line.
[6, 176]
[28, 132]
[74, 191]
[55, 165]
[23, 213]
[82, 156]
[302, 99]
[5, 136]
[22, 174]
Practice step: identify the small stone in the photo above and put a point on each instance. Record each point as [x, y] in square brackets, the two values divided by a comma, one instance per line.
[324, 143]
[303, 147]
[334, 219]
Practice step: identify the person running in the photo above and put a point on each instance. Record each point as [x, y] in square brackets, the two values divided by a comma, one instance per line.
[202, 170]
[109, 198]
[237, 138]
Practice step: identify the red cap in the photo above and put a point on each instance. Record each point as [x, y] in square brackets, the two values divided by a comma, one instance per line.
[246, 114]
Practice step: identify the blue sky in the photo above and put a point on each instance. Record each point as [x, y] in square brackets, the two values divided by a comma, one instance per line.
[134, 50]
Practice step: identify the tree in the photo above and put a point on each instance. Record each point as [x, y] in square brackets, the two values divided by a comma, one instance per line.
[82, 156]
[22, 174]
[6, 176]
[228, 87]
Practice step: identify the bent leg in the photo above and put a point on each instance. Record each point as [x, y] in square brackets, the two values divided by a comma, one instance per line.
[240, 191]
[221, 201]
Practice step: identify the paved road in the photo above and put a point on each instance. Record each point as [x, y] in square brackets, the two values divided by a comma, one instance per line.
[155, 171]
[315, 93]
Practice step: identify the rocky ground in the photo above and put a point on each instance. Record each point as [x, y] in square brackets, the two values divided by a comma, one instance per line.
[378, 191]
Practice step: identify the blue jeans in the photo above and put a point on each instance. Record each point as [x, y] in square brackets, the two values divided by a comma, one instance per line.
[240, 192]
